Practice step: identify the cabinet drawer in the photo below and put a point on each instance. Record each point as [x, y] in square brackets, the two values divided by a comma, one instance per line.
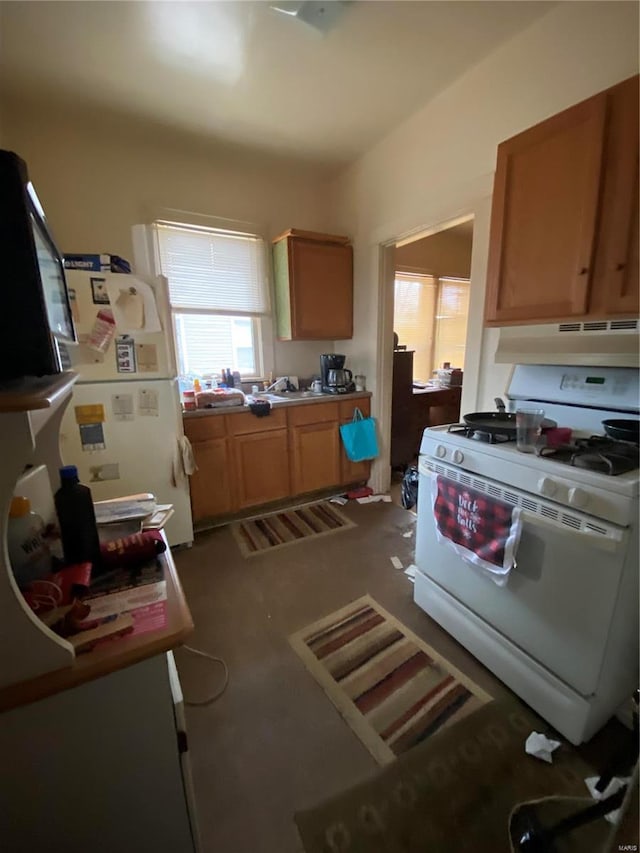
[205, 427]
[314, 413]
[348, 407]
[245, 422]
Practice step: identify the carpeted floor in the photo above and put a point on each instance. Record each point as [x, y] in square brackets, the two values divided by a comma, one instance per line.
[456, 792]
[274, 744]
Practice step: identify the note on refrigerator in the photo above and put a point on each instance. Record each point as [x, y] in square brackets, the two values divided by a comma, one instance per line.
[122, 406]
[92, 437]
[147, 358]
[133, 303]
[148, 402]
[125, 354]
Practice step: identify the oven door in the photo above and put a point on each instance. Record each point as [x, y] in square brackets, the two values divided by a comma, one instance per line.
[558, 603]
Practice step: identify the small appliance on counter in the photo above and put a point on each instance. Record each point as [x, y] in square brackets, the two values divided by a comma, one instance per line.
[336, 379]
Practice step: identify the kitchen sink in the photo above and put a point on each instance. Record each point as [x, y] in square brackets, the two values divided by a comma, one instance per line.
[274, 399]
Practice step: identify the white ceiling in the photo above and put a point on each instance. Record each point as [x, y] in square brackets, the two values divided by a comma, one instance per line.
[240, 72]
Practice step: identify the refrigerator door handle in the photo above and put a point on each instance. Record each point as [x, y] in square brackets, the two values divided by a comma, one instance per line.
[164, 310]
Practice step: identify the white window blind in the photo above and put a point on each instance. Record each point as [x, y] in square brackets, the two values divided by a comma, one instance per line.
[210, 270]
[219, 297]
[413, 319]
[451, 322]
[430, 318]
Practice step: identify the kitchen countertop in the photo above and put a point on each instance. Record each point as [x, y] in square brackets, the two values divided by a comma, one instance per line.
[111, 655]
[294, 398]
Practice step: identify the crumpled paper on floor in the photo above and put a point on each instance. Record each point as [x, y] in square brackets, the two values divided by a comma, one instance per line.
[540, 746]
[614, 785]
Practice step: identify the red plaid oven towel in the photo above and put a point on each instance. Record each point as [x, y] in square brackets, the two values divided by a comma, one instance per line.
[482, 530]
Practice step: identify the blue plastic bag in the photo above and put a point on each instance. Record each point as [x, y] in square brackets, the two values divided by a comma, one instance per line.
[359, 438]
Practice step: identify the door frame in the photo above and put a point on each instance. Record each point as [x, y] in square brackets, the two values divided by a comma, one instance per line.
[478, 208]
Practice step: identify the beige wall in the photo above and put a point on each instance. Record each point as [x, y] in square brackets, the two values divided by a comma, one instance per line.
[447, 253]
[98, 175]
[439, 165]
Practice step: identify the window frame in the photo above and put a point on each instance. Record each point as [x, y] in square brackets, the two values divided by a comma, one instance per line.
[261, 323]
[409, 274]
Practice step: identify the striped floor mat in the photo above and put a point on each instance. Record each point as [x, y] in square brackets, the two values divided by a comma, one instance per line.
[257, 535]
[392, 688]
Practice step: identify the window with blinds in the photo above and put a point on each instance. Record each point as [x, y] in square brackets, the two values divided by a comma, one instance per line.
[413, 316]
[218, 292]
[451, 322]
[430, 318]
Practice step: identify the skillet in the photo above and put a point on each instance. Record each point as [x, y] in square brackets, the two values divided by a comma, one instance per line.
[499, 423]
[623, 429]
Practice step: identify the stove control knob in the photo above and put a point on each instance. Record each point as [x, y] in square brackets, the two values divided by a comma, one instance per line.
[458, 457]
[547, 487]
[578, 498]
[441, 451]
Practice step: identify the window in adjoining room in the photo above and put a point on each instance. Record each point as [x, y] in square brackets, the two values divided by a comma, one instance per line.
[218, 292]
[430, 318]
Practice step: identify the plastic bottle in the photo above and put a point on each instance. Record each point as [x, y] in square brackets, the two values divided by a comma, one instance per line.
[77, 519]
[196, 386]
[28, 552]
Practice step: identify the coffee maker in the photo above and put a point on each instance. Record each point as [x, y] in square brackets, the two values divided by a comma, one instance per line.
[336, 379]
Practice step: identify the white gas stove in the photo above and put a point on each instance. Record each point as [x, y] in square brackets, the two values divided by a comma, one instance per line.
[563, 632]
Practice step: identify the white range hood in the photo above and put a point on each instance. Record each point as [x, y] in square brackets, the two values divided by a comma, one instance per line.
[603, 343]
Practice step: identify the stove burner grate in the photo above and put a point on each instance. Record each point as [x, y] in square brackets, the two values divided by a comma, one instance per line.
[597, 453]
[476, 434]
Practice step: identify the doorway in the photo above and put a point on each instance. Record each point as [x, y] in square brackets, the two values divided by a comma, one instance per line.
[430, 298]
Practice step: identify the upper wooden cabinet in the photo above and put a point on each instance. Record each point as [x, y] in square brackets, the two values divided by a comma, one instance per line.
[563, 238]
[313, 276]
[615, 274]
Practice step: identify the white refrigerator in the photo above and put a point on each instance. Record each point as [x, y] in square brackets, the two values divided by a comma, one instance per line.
[123, 426]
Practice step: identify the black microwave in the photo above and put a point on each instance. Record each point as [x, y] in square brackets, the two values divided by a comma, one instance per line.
[35, 314]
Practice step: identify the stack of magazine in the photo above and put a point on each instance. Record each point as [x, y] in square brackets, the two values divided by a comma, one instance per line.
[123, 516]
[126, 601]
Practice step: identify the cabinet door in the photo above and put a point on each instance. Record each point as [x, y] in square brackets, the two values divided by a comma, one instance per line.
[211, 484]
[321, 282]
[543, 221]
[615, 284]
[316, 457]
[261, 465]
[353, 472]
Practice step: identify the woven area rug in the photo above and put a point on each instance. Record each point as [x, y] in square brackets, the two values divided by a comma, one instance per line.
[392, 689]
[279, 529]
[455, 793]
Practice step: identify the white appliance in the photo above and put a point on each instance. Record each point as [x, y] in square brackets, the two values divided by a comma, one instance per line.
[563, 632]
[129, 443]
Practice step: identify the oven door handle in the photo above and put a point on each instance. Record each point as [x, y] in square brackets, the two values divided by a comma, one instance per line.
[610, 544]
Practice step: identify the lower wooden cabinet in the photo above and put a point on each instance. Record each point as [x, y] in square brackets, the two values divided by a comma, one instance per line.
[244, 461]
[316, 456]
[211, 484]
[261, 463]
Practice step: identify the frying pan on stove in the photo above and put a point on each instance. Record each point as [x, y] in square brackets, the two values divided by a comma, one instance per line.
[499, 423]
[622, 429]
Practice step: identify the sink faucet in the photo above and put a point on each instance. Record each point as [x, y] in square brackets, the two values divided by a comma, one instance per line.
[280, 384]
